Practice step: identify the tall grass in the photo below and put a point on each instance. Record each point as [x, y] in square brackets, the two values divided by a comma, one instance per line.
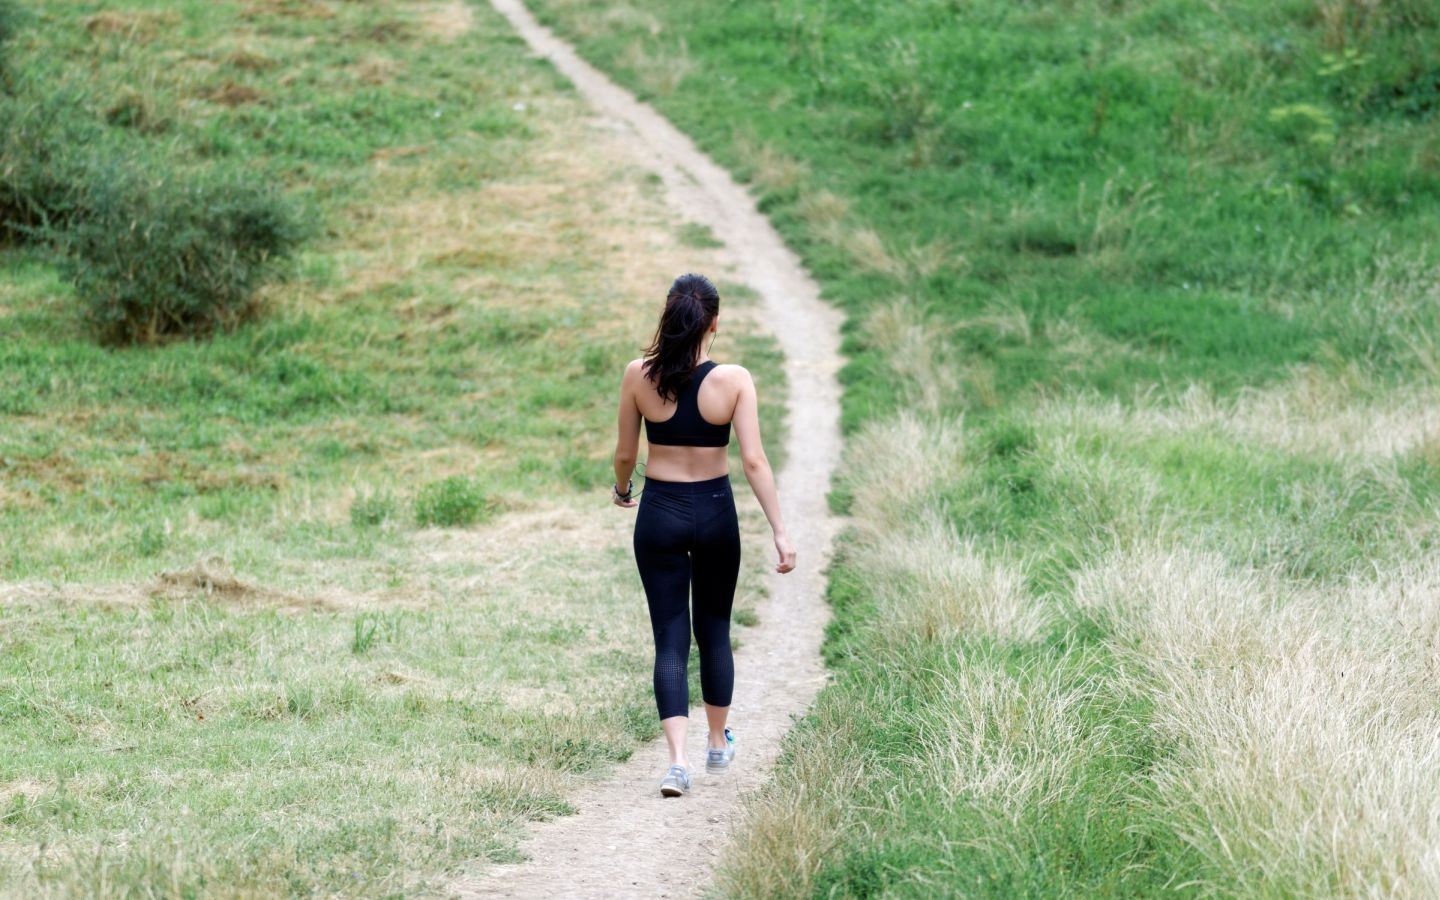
[1170, 266]
[1305, 732]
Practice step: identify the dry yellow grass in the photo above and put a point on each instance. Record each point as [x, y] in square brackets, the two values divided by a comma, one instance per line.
[447, 20]
[1310, 413]
[1304, 721]
[785, 835]
[931, 585]
[821, 208]
[1009, 740]
[770, 169]
[661, 69]
[916, 344]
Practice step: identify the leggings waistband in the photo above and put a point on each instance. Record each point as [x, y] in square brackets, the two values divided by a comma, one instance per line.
[687, 487]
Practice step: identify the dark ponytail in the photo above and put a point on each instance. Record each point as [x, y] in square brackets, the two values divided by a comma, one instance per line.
[690, 307]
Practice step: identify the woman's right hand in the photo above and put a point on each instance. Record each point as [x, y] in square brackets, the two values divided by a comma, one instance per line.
[786, 552]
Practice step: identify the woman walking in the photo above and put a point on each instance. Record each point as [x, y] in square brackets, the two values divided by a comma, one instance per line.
[687, 534]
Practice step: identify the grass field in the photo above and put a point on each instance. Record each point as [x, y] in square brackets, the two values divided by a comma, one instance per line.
[233, 661]
[1143, 406]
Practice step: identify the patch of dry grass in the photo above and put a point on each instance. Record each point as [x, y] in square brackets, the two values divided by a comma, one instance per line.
[788, 827]
[660, 69]
[822, 208]
[917, 346]
[139, 26]
[771, 170]
[1305, 731]
[929, 584]
[1311, 413]
[448, 20]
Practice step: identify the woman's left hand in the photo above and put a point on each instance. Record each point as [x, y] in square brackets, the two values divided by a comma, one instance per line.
[626, 499]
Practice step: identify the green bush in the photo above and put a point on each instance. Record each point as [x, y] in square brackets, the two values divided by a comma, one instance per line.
[9, 24]
[456, 500]
[45, 144]
[156, 256]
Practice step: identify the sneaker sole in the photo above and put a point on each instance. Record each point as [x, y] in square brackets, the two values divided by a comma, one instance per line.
[720, 768]
[668, 791]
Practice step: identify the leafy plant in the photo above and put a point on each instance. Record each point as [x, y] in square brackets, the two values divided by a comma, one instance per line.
[456, 500]
[174, 255]
[1335, 64]
[9, 23]
[45, 144]
[1304, 123]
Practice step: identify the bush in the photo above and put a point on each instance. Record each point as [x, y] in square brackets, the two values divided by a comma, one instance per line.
[9, 24]
[45, 143]
[160, 256]
[152, 255]
[456, 500]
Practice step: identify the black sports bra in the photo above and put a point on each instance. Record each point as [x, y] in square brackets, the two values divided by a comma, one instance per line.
[687, 427]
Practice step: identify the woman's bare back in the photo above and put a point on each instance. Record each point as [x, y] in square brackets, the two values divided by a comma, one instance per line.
[716, 400]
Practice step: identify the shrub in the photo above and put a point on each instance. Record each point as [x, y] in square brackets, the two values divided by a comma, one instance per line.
[9, 24]
[456, 500]
[156, 256]
[44, 145]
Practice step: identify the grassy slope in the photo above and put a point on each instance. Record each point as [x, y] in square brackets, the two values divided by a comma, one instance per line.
[333, 706]
[1040, 207]
[401, 351]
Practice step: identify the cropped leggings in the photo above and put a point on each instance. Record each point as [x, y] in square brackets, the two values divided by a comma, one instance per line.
[687, 543]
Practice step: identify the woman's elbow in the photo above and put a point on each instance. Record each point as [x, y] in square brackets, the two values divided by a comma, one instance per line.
[755, 462]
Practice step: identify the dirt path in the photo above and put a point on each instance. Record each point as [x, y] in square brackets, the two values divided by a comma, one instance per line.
[626, 840]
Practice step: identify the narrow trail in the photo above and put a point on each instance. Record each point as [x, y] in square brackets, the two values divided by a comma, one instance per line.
[627, 840]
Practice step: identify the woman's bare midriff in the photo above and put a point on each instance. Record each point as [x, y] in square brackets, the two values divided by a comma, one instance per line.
[668, 462]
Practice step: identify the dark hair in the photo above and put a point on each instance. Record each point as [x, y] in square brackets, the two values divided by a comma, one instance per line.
[690, 307]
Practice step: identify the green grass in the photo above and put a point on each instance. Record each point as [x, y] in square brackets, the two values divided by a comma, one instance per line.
[333, 383]
[1089, 209]
[1120, 174]
[273, 604]
[381, 364]
[917, 836]
[290, 755]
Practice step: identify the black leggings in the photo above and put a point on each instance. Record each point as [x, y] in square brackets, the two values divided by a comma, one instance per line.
[687, 534]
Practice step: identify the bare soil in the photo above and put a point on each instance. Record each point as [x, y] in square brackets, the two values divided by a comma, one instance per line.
[625, 839]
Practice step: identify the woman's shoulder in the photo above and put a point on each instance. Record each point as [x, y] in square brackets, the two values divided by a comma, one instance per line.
[732, 375]
[730, 370]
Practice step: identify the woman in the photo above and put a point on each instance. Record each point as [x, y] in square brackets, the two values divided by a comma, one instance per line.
[687, 534]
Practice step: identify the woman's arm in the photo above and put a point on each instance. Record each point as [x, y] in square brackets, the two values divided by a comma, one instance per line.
[757, 467]
[627, 442]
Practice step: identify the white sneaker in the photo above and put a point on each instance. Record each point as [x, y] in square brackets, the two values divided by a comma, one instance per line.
[719, 760]
[675, 782]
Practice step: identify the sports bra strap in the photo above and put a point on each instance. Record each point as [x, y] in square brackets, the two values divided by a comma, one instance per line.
[687, 427]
